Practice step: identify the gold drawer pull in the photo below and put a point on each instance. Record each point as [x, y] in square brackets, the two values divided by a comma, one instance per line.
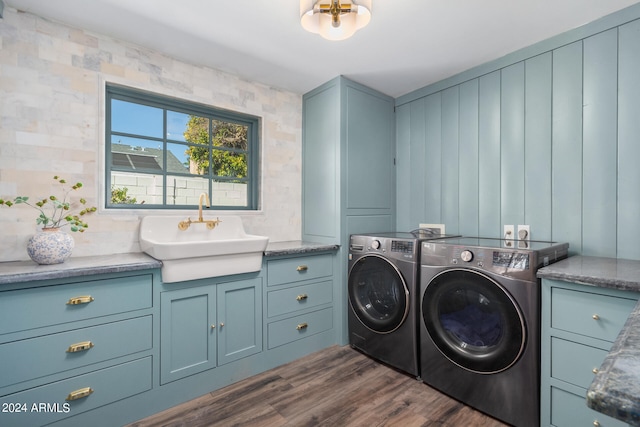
[81, 346]
[86, 299]
[596, 423]
[302, 268]
[595, 317]
[302, 326]
[79, 394]
[594, 370]
[302, 297]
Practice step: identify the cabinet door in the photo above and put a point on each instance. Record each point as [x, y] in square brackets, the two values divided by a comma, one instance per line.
[370, 149]
[187, 332]
[239, 319]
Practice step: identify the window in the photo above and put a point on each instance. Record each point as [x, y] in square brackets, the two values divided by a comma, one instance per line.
[162, 153]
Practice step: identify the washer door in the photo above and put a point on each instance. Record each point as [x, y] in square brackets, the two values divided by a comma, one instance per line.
[473, 321]
[378, 294]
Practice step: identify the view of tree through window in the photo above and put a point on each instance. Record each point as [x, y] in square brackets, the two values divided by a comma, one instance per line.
[163, 153]
[225, 136]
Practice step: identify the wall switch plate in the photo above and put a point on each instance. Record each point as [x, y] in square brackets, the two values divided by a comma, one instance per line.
[524, 233]
[508, 236]
[436, 228]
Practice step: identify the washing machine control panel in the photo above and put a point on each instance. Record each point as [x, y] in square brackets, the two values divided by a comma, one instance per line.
[489, 255]
[497, 258]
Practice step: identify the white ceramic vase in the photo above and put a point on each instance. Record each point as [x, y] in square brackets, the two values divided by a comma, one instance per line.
[50, 246]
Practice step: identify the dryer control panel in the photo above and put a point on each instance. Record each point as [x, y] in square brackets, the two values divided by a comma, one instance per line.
[402, 249]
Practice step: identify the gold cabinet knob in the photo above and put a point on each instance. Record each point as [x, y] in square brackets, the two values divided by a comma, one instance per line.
[596, 423]
[302, 297]
[595, 317]
[221, 324]
[594, 370]
[213, 326]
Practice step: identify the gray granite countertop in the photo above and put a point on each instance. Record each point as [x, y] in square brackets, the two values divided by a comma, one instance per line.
[27, 271]
[603, 272]
[295, 247]
[615, 390]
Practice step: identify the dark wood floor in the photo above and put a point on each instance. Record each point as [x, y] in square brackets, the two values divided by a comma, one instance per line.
[335, 387]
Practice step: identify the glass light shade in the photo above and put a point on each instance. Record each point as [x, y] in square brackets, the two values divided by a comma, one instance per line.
[320, 23]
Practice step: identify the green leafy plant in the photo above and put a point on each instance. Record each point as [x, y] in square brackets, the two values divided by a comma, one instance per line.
[119, 196]
[55, 212]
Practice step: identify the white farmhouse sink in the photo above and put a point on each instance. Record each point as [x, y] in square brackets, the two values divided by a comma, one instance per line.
[199, 252]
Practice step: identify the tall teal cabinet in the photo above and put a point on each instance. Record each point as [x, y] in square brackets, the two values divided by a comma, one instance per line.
[348, 170]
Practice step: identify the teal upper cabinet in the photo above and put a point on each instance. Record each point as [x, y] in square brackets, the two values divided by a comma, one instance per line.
[321, 164]
[369, 150]
[348, 161]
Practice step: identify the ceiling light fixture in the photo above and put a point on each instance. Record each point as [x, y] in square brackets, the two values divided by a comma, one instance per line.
[334, 19]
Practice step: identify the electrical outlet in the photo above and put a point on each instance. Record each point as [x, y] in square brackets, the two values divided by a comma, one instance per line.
[437, 228]
[524, 233]
[508, 236]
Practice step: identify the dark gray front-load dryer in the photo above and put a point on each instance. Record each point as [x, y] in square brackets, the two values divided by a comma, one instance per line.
[480, 323]
[383, 297]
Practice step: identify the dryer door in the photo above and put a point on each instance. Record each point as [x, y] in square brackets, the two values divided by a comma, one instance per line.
[378, 294]
[473, 321]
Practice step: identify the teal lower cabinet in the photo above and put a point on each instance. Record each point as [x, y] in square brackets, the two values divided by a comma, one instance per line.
[111, 349]
[70, 346]
[579, 325]
[209, 325]
[299, 301]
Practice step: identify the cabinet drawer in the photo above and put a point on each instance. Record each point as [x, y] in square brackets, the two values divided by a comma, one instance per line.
[295, 328]
[289, 300]
[37, 357]
[289, 270]
[574, 363]
[52, 305]
[590, 314]
[109, 385]
[570, 410]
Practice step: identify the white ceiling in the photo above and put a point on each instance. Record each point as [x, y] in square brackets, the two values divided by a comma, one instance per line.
[407, 45]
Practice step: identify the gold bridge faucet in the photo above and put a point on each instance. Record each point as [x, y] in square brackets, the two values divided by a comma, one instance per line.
[211, 224]
[206, 197]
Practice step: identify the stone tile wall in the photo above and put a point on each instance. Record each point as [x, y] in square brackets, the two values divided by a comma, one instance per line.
[52, 80]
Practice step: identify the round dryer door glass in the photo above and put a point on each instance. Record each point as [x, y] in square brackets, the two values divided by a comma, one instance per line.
[378, 294]
[473, 321]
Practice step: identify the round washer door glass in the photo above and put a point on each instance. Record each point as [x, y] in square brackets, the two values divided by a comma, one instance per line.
[473, 321]
[378, 294]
